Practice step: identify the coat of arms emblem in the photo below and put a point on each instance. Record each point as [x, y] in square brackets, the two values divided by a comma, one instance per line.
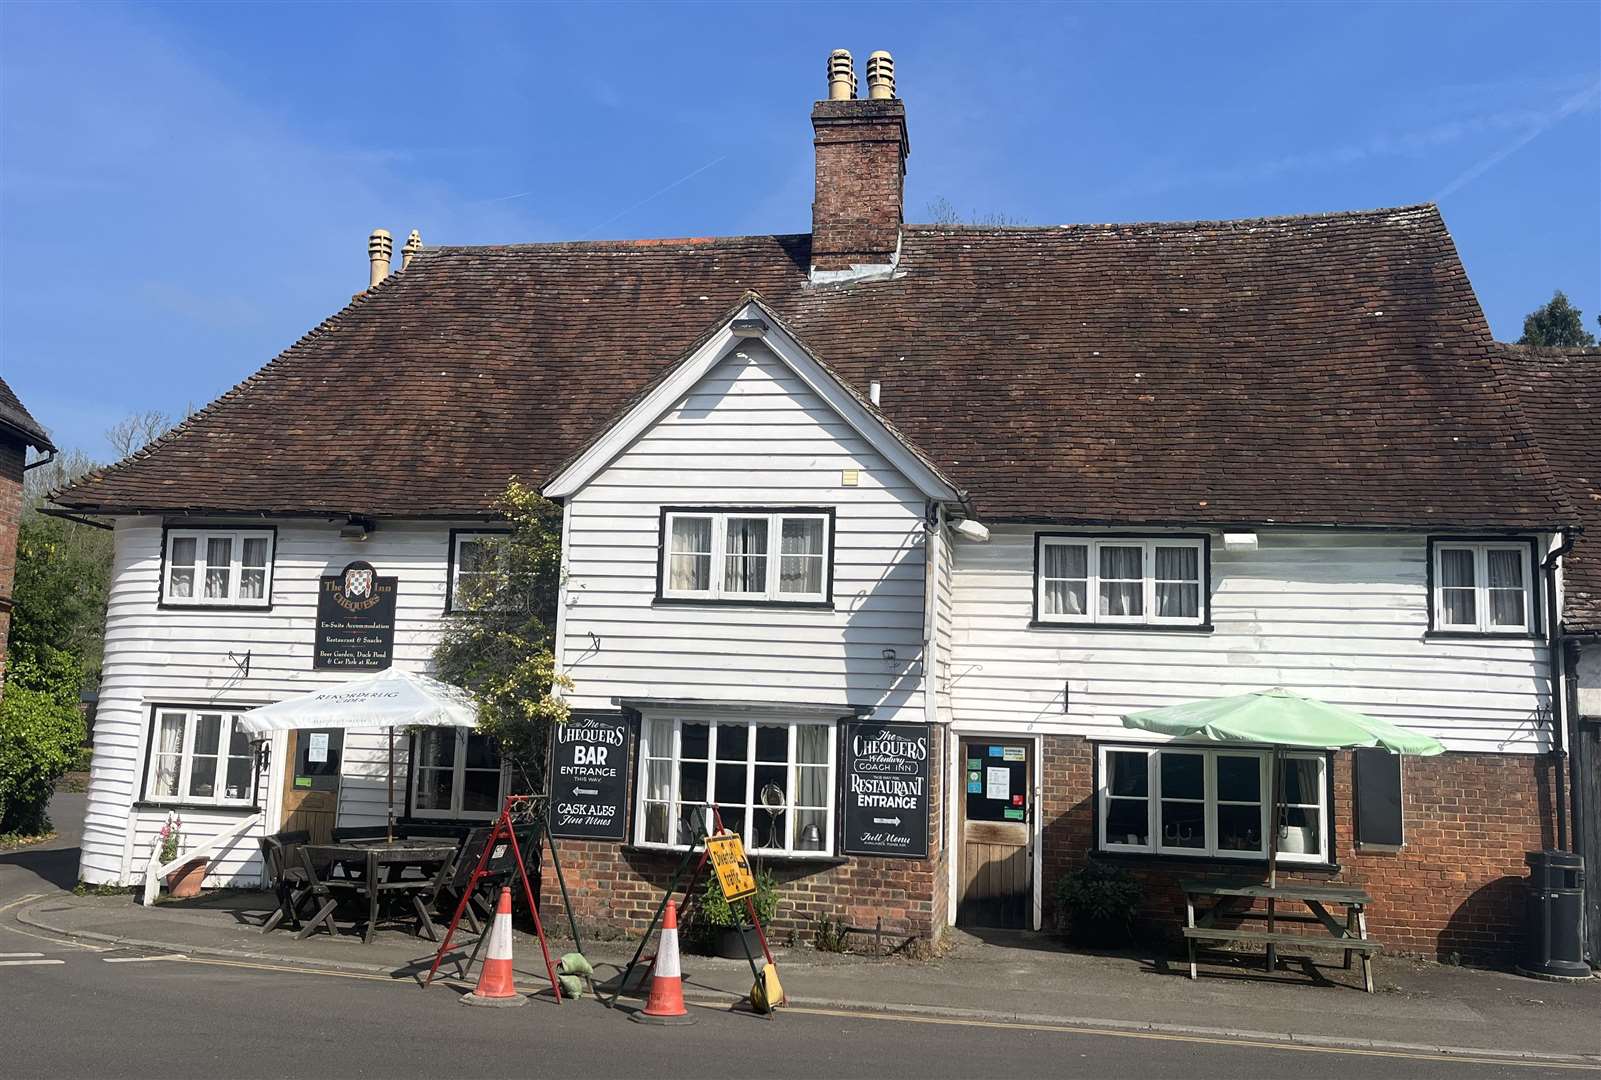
[358, 582]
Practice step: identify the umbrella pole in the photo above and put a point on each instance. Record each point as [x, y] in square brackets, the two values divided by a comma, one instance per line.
[1273, 825]
[390, 804]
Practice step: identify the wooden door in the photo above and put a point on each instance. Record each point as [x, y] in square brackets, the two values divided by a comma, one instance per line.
[311, 782]
[997, 819]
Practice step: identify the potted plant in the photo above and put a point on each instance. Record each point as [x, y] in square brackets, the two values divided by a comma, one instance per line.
[1096, 904]
[723, 920]
[185, 881]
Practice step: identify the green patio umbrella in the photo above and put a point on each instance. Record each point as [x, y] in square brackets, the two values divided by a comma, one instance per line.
[1279, 718]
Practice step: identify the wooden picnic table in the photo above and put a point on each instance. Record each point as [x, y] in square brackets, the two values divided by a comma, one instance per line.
[376, 870]
[1236, 899]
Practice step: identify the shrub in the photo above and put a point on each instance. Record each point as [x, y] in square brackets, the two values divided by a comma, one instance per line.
[41, 730]
[717, 911]
[1096, 904]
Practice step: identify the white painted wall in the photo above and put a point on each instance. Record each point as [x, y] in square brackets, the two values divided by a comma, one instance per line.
[166, 656]
[749, 433]
[1338, 616]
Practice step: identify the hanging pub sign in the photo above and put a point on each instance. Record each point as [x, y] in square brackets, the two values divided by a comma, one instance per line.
[355, 620]
[887, 789]
[589, 778]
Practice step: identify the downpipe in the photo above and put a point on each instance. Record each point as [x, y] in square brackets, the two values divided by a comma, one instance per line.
[1559, 683]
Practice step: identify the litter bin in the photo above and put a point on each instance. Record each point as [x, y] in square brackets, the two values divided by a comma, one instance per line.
[1554, 943]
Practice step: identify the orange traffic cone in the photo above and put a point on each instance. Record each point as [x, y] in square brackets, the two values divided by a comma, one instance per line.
[495, 986]
[665, 1005]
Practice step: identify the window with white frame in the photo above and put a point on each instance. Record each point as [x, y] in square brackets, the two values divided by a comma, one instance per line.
[752, 555]
[199, 756]
[1483, 587]
[455, 773]
[1205, 801]
[772, 781]
[222, 567]
[474, 558]
[1153, 581]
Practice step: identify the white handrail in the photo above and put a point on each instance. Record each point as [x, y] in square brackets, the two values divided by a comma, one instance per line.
[156, 870]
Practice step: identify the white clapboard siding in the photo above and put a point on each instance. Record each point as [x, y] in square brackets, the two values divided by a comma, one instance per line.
[180, 657]
[944, 621]
[749, 433]
[1338, 616]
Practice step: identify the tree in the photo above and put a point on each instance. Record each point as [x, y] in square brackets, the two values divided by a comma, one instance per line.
[59, 595]
[137, 431]
[499, 646]
[1557, 323]
[943, 212]
[41, 729]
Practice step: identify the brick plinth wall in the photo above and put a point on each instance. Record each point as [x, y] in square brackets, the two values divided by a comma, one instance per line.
[12, 455]
[1455, 887]
[617, 887]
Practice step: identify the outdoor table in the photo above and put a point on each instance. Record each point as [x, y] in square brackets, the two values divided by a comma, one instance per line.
[1235, 899]
[377, 870]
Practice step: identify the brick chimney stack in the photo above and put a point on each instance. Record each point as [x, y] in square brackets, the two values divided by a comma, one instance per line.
[861, 150]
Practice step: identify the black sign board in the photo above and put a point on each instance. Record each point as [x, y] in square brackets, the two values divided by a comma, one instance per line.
[355, 620]
[887, 789]
[589, 778]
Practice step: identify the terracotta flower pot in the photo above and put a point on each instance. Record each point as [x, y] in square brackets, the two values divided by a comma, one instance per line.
[185, 881]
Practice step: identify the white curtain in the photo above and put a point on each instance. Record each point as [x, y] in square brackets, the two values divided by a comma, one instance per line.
[745, 565]
[800, 565]
[1506, 588]
[170, 760]
[1122, 581]
[1457, 587]
[219, 564]
[1178, 576]
[181, 574]
[690, 565]
[1065, 569]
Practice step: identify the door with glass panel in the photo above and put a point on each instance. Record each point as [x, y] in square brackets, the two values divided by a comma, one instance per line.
[996, 874]
[311, 783]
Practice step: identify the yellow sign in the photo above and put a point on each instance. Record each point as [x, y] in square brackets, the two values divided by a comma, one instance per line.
[728, 859]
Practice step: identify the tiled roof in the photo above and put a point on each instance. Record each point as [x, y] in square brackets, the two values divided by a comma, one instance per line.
[1561, 394]
[14, 415]
[1311, 370]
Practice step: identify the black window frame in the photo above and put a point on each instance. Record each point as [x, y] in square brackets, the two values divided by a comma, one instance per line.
[1533, 589]
[171, 525]
[450, 563]
[825, 604]
[1088, 626]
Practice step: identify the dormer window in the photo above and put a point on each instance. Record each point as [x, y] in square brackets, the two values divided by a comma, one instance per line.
[218, 568]
[742, 555]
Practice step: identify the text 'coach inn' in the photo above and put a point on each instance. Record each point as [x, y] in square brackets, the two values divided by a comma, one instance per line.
[872, 535]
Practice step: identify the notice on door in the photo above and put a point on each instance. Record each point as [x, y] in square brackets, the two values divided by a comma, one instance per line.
[997, 783]
[887, 789]
[317, 746]
[589, 778]
[355, 620]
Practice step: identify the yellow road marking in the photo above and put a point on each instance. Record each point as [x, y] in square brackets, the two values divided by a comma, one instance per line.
[997, 1025]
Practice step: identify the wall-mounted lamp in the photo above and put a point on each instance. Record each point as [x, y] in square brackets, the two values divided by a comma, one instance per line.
[749, 328]
[968, 529]
[1239, 541]
[889, 657]
[355, 527]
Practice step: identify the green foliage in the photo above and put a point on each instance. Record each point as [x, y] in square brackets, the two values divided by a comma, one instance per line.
[828, 935]
[41, 730]
[499, 644]
[716, 911]
[1557, 323]
[59, 598]
[1097, 900]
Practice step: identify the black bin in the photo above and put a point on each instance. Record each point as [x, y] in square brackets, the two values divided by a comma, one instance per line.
[1554, 928]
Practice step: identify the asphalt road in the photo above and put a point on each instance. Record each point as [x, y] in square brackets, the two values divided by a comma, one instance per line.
[68, 1010]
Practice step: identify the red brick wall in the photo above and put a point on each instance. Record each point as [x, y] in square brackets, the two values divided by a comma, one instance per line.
[861, 155]
[1454, 887]
[12, 455]
[617, 887]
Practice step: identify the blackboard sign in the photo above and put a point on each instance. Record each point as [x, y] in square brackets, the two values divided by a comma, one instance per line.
[589, 778]
[355, 620]
[887, 789]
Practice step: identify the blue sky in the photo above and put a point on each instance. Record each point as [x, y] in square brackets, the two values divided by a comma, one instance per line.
[186, 189]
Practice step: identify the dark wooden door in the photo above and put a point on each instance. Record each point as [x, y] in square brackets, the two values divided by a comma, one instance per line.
[995, 877]
[311, 782]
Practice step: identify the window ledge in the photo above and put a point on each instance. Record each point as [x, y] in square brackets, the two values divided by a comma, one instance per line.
[1214, 861]
[179, 605]
[1483, 635]
[690, 601]
[239, 808]
[1124, 628]
[753, 856]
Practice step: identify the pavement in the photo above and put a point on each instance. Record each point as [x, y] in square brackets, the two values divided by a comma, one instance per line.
[1009, 1004]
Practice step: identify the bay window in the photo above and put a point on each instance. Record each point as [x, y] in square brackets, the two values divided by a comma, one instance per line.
[456, 773]
[218, 567]
[1483, 587]
[1119, 580]
[1206, 801]
[199, 756]
[771, 781]
[746, 555]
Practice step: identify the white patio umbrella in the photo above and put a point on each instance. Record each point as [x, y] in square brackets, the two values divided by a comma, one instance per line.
[389, 699]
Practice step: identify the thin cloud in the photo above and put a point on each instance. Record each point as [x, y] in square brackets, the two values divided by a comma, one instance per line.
[1544, 124]
[653, 195]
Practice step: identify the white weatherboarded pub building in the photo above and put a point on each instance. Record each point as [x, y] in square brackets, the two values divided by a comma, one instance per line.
[871, 537]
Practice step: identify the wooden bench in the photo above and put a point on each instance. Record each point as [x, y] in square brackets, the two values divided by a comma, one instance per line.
[1203, 933]
[1350, 938]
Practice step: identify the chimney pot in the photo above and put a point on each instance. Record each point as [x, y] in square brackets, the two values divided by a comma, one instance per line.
[841, 76]
[413, 246]
[380, 247]
[880, 76]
